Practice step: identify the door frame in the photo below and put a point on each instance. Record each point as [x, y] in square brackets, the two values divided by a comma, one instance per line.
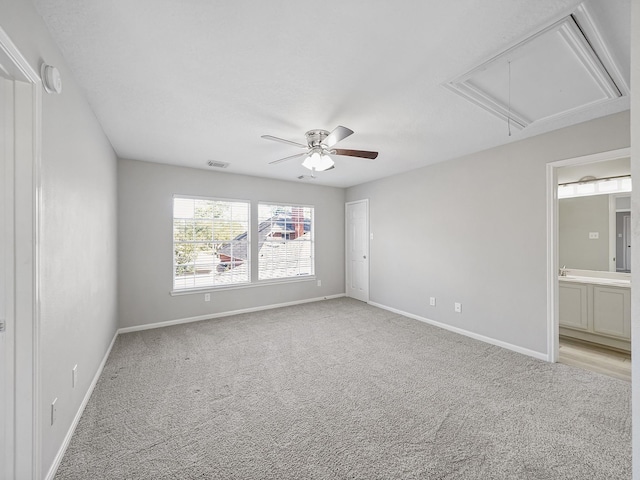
[626, 237]
[22, 460]
[346, 246]
[613, 212]
[553, 321]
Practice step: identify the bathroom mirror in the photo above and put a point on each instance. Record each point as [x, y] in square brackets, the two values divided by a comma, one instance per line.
[594, 232]
[594, 229]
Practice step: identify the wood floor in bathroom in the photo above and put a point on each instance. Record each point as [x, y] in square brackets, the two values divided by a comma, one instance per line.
[592, 357]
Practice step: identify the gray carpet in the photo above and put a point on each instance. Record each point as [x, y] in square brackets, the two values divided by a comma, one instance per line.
[342, 390]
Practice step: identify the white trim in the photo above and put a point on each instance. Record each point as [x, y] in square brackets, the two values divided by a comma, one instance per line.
[585, 20]
[579, 32]
[209, 316]
[613, 215]
[258, 283]
[346, 246]
[247, 261]
[72, 428]
[7, 361]
[466, 333]
[553, 322]
[284, 204]
[256, 244]
[215, 199]
[613, 257]
[28, 343]
[593, 158]
[553, 328]
[37, 219]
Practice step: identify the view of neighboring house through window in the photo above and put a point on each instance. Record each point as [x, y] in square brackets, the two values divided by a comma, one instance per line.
[210, 242]
[285, 241]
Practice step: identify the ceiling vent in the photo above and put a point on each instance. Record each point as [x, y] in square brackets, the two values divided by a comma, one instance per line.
[216, 164]
[559, 71]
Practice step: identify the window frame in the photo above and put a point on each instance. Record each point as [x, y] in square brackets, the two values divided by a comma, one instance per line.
[288, 279]
[224, 286]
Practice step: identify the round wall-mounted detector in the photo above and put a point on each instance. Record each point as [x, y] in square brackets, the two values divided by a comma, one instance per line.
[51, 80]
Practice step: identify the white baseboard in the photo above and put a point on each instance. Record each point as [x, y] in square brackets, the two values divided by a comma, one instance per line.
[65, 443]
[466, 333]
[209, 316]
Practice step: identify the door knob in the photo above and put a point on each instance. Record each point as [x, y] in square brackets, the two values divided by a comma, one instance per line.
[364, 256]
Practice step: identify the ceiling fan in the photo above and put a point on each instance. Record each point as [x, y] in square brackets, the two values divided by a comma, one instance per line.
[319, 149]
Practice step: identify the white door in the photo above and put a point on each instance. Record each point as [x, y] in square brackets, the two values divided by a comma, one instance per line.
[626, 238]
[357, 245]
[6, 274]
[20, 142]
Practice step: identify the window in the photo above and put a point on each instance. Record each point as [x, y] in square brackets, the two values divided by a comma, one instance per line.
[210, 243]
[285, 241]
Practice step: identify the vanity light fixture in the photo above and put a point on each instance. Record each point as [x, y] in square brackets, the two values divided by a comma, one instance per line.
[595, 186]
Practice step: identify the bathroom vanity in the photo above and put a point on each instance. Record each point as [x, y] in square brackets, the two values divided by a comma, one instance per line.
[596, 307]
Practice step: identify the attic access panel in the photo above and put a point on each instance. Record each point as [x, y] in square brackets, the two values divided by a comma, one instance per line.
[553, 73]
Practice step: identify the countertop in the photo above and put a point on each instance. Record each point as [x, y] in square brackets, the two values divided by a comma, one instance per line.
[612, 282]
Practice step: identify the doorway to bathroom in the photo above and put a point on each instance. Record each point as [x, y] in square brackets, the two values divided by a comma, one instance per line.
[589, 284]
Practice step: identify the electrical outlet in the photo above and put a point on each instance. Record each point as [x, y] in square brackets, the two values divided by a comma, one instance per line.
[207, 297]
[319, 283]
[594, 235]
[74, 376]
[432, 301]
[457, 307]
[54, 410]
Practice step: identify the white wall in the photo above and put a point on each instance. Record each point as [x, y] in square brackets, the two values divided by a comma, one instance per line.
[145, 212]
[473, 230]
[635, 240]
[78, 235]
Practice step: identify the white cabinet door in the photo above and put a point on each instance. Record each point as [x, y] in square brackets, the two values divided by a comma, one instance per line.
[612, 311]
[573, 306]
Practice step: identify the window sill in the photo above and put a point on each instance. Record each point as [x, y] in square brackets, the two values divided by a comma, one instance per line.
[259, 283]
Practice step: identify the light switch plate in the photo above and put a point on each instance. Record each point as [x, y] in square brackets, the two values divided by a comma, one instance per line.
[432, 301]
[457, 307]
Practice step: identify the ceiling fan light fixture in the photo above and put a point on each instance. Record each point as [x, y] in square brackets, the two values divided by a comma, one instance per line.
[318, 161]
[319, 148]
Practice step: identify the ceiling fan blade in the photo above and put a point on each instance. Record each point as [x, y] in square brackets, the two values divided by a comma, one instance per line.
[355, 153]
[288, 158]
[338, 133]
[282, 140]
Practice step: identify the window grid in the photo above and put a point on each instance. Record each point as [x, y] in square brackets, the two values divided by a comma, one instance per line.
[210, 242]
[286, 244]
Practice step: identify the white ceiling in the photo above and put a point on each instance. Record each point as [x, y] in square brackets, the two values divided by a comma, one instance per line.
[185, 82]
